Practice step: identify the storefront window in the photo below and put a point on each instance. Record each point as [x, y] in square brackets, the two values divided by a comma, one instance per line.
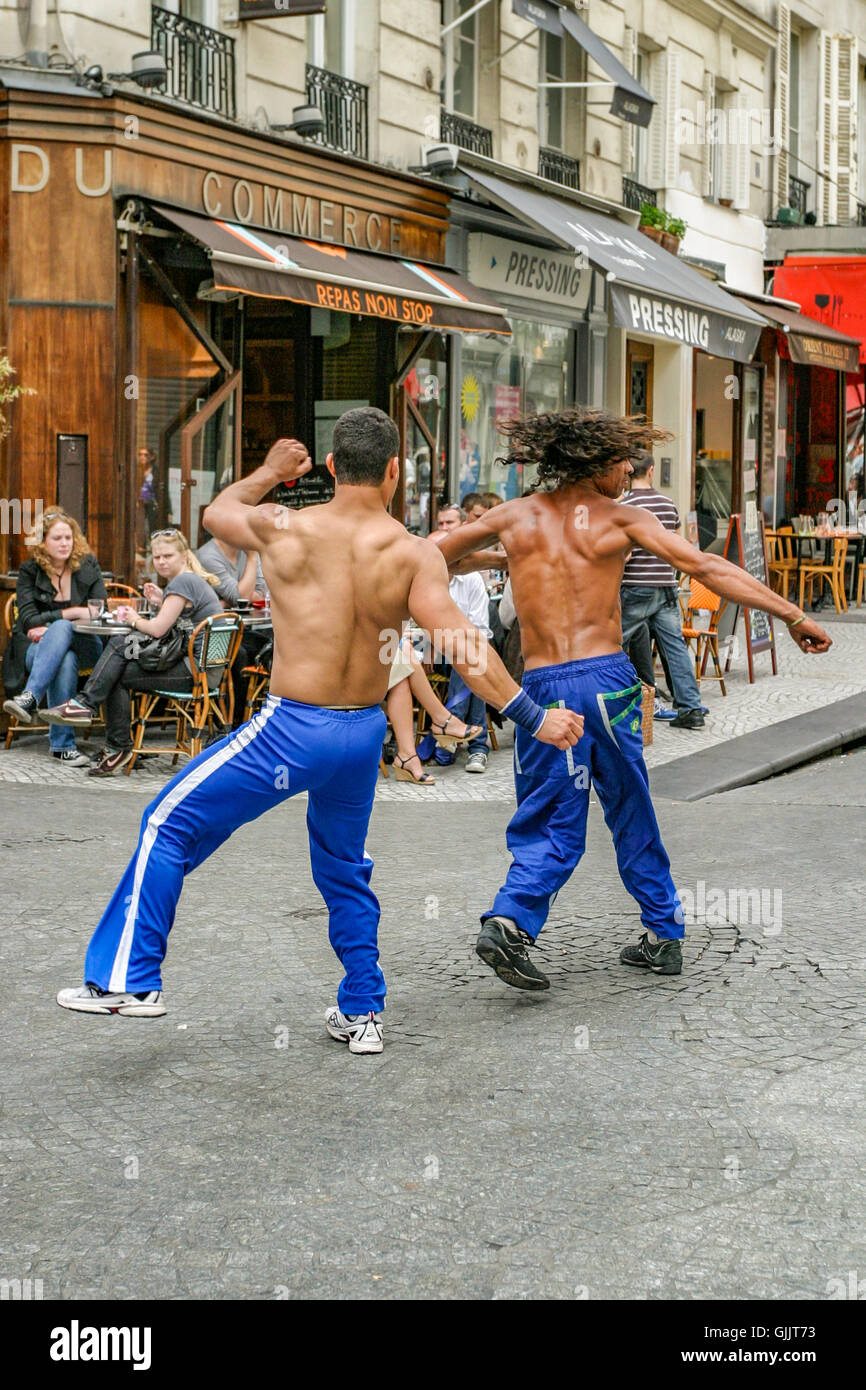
[497, 380]
[715, 387]
[426, 407]
[175, 372]
[854, 489]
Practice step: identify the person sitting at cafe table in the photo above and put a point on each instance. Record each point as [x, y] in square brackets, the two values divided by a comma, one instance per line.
[45, 653]
[239, 574]
[190, 592]
[241, 580]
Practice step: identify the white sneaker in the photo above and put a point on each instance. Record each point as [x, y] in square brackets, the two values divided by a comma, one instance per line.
[363, 1032]
[87, 999]
[476, 762]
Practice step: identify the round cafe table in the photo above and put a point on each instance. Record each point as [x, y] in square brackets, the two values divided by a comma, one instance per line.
[101, 628]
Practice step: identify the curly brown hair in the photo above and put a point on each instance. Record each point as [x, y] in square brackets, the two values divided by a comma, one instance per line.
[80, 548]
[570, 446]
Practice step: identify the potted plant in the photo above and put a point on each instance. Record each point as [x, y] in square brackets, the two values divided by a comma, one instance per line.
[652, 221]
[674, 231]
[8, 391]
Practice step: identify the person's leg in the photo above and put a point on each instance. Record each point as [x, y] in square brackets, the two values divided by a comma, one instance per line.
[667, 628]
[338, 814]
[61, 738]
[641, 656]
[637, 602]
[477, 714]
[620, 778]
[398, 704]
[226, 786]
[546, 836]
[429, 700]
[43, 658]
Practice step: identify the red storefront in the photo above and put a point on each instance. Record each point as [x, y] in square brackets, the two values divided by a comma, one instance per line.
[825, 407]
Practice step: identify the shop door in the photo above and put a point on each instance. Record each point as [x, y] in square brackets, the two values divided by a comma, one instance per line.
[639, 379]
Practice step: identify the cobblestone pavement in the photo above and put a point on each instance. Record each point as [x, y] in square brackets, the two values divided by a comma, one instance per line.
[621, 1136]
[803, 683]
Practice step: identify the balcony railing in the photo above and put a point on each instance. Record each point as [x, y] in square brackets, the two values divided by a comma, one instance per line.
[559, 167]
[633, 194]
[344, 105]
[798, 194]
[200, 61]
[456, 130]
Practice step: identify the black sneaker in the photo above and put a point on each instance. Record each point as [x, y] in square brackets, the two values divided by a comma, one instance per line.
[662, 958]
[687, 719]
[503, 948]
[23, 706]
[71, 757]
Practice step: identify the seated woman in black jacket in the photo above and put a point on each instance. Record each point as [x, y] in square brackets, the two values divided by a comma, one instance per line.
[46, 654]
[190, 591]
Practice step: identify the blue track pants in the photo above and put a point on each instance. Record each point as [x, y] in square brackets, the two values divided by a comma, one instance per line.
[547, 834]
[286, 748]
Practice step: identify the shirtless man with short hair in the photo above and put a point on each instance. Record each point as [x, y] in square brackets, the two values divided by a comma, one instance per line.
[342, 577]
[566, 549]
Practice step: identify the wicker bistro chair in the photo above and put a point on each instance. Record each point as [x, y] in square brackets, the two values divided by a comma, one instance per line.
[706, 639]
[832, 574]
[782, 560]
[209, 700]
[258, 679]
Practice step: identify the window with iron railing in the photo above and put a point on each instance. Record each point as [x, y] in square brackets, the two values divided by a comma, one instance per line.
[798, 194]
[200, 61]
[344, 105]
[633, 194]
[552, 164]
[456, 130]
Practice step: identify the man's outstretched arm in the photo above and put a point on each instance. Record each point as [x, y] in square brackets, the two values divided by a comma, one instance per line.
[468, 652]
[233, 515]
[722, 577]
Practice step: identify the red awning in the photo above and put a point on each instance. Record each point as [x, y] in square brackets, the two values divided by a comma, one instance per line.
[831, 289]
[806, 340]
[248, 260]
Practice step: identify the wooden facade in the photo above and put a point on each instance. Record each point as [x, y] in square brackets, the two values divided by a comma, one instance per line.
[69, 161]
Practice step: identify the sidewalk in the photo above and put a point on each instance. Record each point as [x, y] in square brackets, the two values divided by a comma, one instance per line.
[804, 683]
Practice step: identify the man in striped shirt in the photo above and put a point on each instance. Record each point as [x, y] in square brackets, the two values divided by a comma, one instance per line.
[649, 595]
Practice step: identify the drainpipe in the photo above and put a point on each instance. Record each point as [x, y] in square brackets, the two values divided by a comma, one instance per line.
[37, 34]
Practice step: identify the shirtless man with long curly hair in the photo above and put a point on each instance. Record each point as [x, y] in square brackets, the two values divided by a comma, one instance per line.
[566, 546]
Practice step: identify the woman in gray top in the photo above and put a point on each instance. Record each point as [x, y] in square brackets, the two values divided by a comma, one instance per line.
[190, 591]
[239, 574]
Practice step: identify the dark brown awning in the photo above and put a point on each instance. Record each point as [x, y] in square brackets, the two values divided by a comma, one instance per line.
[811, 342]
[247, 260]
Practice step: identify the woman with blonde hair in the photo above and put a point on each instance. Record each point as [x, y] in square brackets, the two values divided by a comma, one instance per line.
[45, 652]
[190, 593]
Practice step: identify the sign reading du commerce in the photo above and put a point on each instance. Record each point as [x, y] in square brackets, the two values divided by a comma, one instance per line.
[514, 267]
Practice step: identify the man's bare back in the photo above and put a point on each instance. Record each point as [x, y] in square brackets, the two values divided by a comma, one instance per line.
[343, 576]
[566, 552]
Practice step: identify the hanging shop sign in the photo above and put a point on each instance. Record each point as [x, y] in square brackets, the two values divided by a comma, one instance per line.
[693, 325]
[514, 267]
[823, 352]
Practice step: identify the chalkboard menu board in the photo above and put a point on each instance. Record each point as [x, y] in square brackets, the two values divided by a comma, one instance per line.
[745, 546]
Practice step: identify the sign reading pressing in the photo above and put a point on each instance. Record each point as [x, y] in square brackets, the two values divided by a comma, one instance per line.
[514, 267]
[279, 9]
[693, 325]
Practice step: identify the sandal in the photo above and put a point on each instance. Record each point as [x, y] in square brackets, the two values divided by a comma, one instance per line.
[401, 775]
[452, 741]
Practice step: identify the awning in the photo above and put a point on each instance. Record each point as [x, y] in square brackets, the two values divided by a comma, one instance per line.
[832, 290]
[652, 291]
[631, 102]
[812, 343]
[251, 261]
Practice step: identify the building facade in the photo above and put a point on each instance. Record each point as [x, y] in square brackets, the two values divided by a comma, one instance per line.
[476, 137]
